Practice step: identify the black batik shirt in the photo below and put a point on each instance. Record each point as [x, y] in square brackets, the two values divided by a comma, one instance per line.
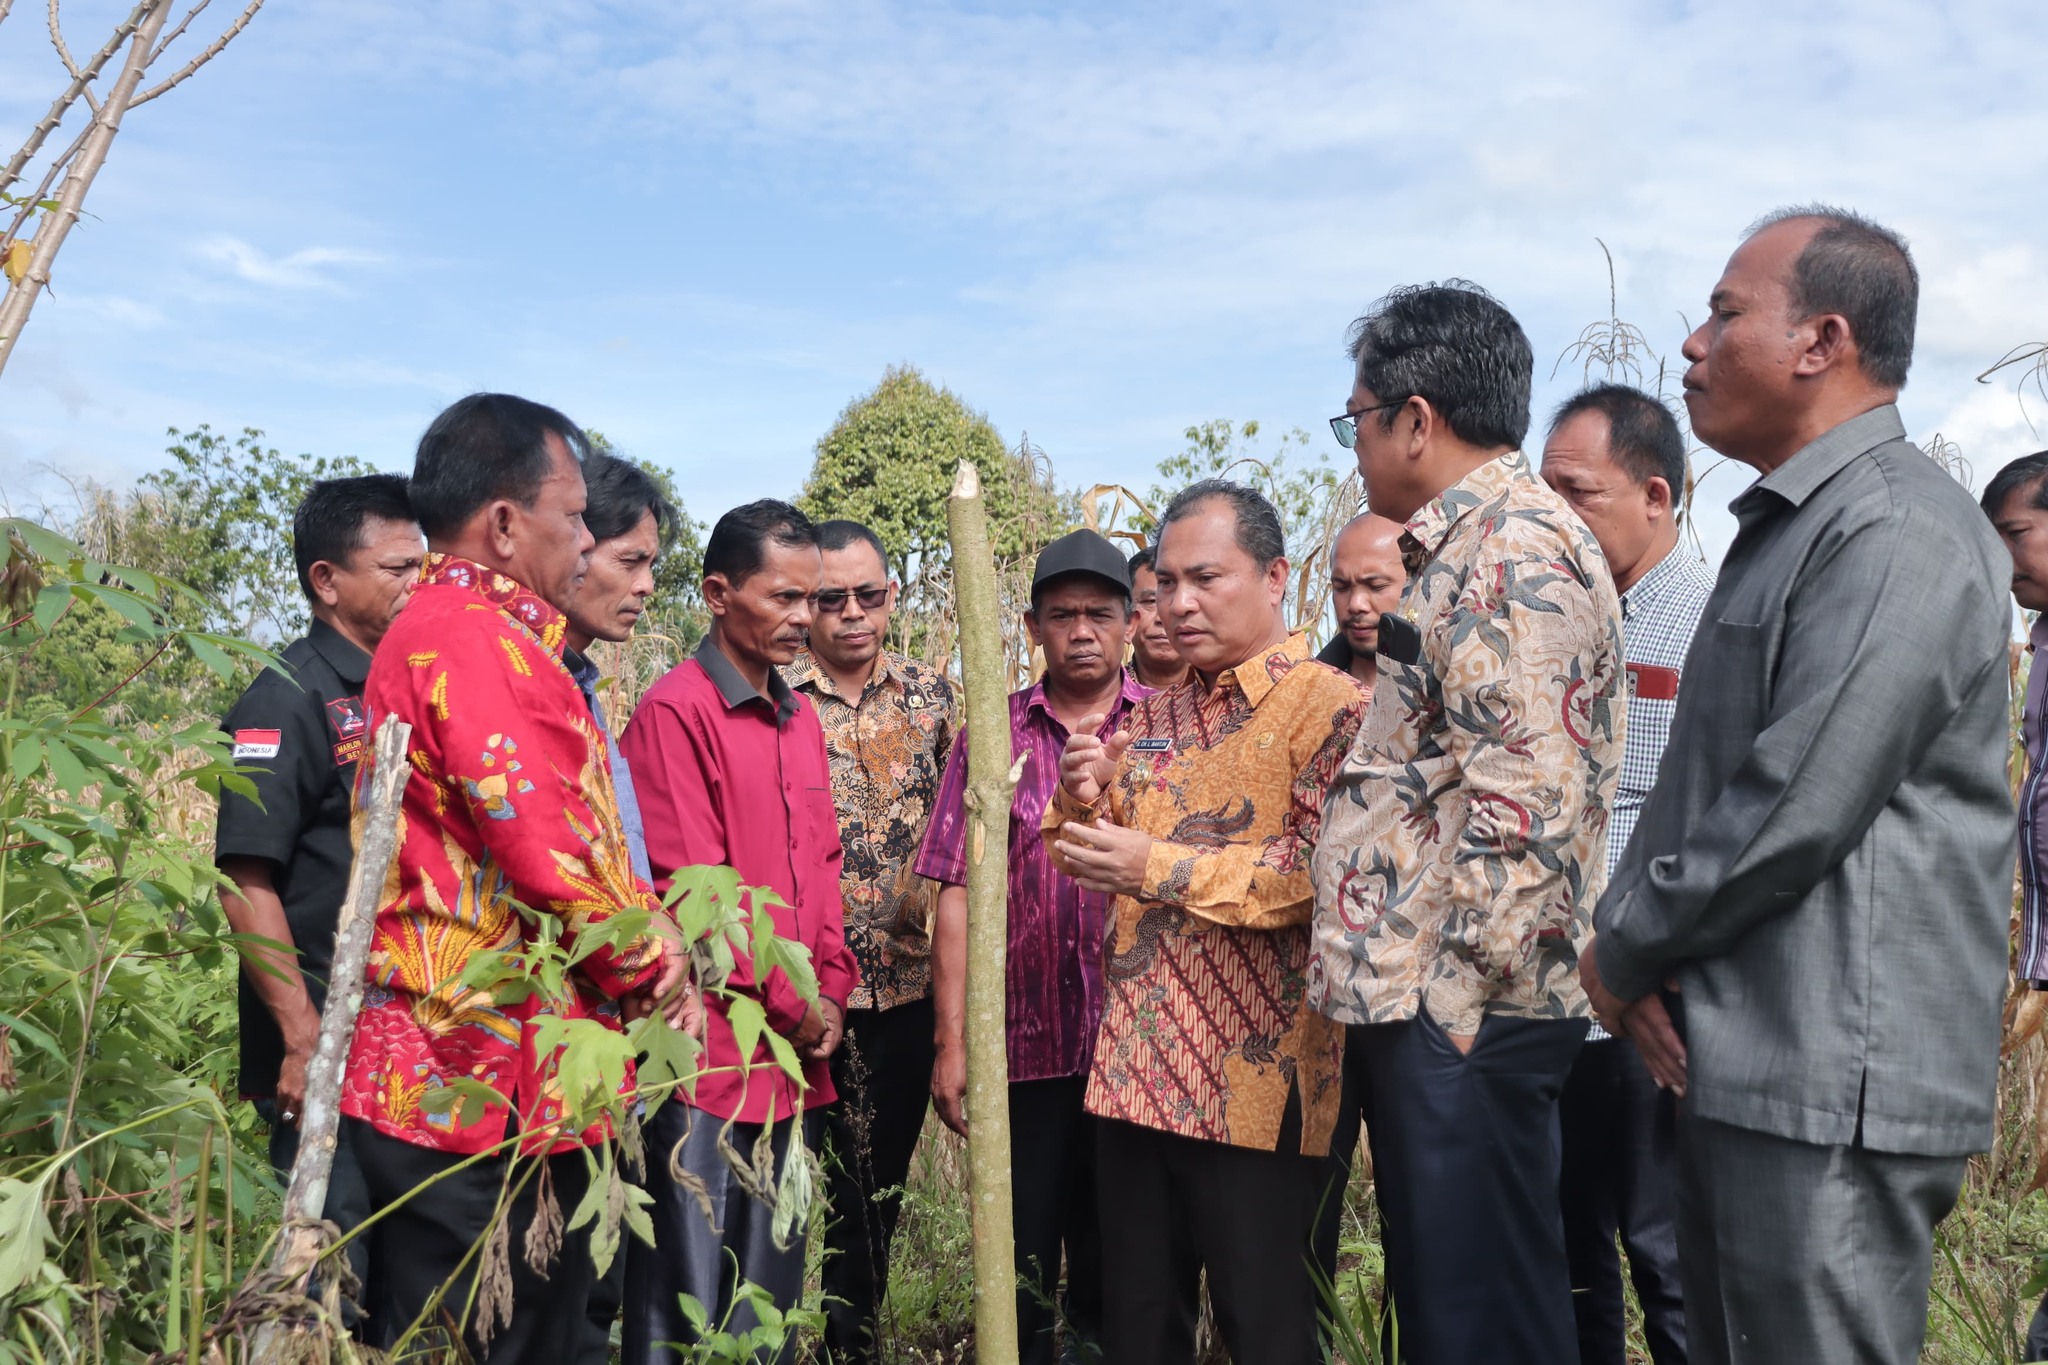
[299, 745]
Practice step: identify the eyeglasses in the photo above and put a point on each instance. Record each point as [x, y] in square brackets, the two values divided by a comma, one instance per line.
[832, 601]
[1346, 427]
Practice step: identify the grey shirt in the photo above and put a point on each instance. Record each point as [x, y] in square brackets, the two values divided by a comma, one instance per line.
[1826, 860]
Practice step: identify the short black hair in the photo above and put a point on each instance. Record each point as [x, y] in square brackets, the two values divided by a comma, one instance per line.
[1642, 435]
[839, 533]
[332, 517]
[2027, 474]
[619, 494]
[1454, 345]
[481, 448]
[1864, 271]
[1258, 523]
[1147, 558]
[739, 542]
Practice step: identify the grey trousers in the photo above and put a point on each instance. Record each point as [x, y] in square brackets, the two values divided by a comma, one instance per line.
[706, 1260]
[1793, 1252]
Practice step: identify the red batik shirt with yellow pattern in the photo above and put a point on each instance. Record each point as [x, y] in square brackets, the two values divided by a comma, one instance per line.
[509, 800]
[1206, 1027]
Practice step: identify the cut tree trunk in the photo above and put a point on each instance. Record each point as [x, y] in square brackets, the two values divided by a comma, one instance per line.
[991, 779]
[301, 1241]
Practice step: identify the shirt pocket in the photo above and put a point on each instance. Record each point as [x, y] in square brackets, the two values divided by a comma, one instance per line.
[1728, 665]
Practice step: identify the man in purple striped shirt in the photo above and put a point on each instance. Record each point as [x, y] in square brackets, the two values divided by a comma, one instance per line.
[2016, 500]
[1081, 618]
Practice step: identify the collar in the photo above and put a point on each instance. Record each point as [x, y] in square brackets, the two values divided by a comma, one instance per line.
[1825, 456]
[502, 591]
[581, 667]
[343, 655]
[1129, 692]
[1659, 577]
[1427, 530]
[1337, 653]
[805, 673]
[736, 691]
[1255, 676]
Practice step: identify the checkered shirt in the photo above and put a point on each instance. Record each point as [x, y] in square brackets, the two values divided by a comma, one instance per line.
[1658, 615]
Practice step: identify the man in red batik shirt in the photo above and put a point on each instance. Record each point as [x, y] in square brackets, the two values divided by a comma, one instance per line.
[509, 805]
[731, 770]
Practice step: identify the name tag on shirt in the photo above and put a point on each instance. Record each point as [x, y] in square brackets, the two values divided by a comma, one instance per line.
[1152, 746]
[257, 743]
[1652, 683]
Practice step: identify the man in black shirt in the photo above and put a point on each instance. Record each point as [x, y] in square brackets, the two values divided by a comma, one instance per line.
[358, 551]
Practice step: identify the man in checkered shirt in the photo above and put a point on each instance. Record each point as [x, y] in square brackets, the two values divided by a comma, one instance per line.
[1615, 454]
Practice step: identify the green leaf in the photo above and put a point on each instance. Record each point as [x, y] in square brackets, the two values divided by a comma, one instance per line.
[209, 653]
[64, 766]
[24, 1232]
[748, 1022]
[50, 604]
[28, 756]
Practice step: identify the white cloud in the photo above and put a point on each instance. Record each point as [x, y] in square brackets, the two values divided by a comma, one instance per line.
[312, 267]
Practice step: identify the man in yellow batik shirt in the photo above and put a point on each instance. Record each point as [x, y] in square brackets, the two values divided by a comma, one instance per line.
[1216, 1080]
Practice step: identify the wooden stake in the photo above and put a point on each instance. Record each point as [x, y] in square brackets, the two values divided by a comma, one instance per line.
[299, 1244]
[990, 781]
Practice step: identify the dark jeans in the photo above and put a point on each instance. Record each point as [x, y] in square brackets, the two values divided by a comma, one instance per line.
[1465, 1159]
[427, 1241]
[348, 1200]
[883, 1073]
[1053, 1208]
[1620, 1149]
[706, 1259]
[1173, 1207]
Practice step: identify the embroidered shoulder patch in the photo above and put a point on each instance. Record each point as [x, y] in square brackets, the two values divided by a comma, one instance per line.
[257, 743]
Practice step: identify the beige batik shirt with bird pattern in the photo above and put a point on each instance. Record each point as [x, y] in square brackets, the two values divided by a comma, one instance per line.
[1464, 842]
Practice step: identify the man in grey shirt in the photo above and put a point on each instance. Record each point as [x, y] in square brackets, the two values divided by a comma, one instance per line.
[1823, 870]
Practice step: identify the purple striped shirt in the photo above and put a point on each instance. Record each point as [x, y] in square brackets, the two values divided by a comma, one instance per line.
[1053, 987]
[2033, 963]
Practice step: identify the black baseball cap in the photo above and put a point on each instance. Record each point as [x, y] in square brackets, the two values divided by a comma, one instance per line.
[1082, 551]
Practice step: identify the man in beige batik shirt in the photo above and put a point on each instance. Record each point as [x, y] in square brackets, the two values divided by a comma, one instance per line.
[1464, 841]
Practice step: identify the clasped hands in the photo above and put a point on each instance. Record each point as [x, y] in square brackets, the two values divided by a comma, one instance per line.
[1644, 1021]
[1102, 857]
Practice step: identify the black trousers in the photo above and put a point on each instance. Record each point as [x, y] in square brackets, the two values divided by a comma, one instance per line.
[1175, 1206]
[706, 1259]
[883, 1073]
[1465, 1159]
[419, 1245]
[1053, 1209]
[1620, 1152]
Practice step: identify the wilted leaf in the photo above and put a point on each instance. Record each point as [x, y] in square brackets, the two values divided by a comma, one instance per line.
[14, 260]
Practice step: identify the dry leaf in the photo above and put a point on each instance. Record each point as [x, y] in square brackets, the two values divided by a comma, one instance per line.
[14, 260]
[2024, 1014]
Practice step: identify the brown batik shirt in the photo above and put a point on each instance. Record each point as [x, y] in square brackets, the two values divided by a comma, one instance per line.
[1206, 1029]
[888, 751]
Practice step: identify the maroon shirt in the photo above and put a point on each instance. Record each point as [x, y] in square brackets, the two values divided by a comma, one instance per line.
[728, 778]
[1054, 982]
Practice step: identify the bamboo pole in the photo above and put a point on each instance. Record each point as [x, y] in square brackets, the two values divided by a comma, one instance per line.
[990, 781]
[300, 1243]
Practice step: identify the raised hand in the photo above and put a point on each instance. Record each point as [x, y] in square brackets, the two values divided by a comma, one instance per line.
[1089, 763]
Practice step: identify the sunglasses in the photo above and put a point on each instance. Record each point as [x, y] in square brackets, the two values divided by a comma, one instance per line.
[832, 601]
[1345, 428]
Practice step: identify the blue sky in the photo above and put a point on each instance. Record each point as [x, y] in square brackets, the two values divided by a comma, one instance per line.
[704, 228]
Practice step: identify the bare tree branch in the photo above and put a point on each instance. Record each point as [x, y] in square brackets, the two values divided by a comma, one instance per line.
[16, 304]
[213, 50]
[57, 37]
[59, 107]
[31, 201]
[177, 32]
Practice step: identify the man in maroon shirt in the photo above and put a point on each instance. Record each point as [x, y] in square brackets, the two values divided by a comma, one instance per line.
[1081, 617]
[731, 770]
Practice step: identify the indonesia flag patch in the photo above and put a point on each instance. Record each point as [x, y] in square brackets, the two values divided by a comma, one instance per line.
[257, 743]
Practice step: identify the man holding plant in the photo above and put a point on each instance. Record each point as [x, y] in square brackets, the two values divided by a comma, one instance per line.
[509, 838]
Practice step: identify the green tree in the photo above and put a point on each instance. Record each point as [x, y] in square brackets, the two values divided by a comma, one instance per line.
[217, 517]
[888, 462]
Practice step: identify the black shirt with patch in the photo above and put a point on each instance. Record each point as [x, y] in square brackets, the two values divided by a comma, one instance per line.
[299, 745]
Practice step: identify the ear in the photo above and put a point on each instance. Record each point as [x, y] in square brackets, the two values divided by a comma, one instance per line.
[1130, 622]
[1276, 580]
[1830, 345]
[1031, 629]
[501, 519]
[717, 594]
[321, 575]
[1416, 425]
[1660, 497]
